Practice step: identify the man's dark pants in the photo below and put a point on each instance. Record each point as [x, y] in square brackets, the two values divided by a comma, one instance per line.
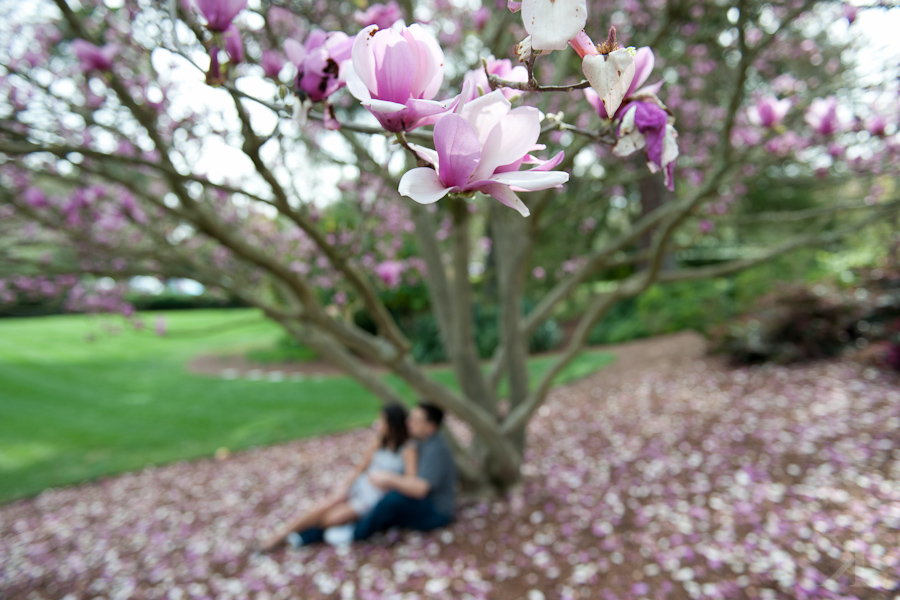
[394, 510]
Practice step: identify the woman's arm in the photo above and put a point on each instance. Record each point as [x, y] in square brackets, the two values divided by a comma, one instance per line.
[360, 468]
[410, 460]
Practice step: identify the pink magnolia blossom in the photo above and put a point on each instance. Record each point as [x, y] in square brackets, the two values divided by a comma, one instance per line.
[850, 12]
[646, 125]
[768, 111]
[877, 125]
[390, 272]
[480, 17]
[478, 84]
[551, 23]
[160, 326]
[480, 147]
[382, 15]
[822, 116]
[220, 13]
[319, 62]
[271, 63]
[785, 143]
[395, 73]
[93, 58]
[234, 47]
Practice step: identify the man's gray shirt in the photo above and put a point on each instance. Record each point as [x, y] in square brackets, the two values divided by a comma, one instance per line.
[436, 466]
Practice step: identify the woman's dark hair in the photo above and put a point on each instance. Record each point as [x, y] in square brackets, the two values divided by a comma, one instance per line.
[396, 434]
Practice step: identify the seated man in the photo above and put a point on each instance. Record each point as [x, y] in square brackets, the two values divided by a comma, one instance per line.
[425, 500]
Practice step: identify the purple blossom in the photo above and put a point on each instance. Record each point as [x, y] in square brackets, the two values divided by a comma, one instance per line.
[271, 63]
[93, 58]
[478, 84]
[381, 15]
[319, 62]
[768, 111]
[220, 13]
[390, 272]
[822, 116]
[646, 125]
[234, 46]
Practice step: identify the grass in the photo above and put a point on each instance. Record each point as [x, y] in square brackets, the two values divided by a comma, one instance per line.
[82, 397]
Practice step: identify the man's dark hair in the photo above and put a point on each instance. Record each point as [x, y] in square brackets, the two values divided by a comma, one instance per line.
[432, 413]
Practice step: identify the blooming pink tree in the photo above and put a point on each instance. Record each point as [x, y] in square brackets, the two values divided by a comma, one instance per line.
[209, 139]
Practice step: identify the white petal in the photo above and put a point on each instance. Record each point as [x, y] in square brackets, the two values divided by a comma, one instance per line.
[670, 146]
[422, 185]
[384, 106]
[363, 57]
[532, 180]
[552, 23]
[426, 153]
[629, 144]
[610, 75]
[354, 83]
[506, 196]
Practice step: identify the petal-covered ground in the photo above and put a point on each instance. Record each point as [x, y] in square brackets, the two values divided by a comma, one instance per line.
[688, 480]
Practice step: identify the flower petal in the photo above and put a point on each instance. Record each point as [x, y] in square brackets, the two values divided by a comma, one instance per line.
[552, 23]
[485, 112]
[610, 75]
[550, 164]
[506, 196]
[422, 185]
[458, 150]
[643, 66]
[592, 98]
[533, 180]
[425, 153]
[363, 57]
[430, 72]
[509, 140]
[354, 83]
[395, 66]
[384, 106]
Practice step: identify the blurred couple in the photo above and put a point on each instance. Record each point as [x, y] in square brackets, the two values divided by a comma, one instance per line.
[407, 479]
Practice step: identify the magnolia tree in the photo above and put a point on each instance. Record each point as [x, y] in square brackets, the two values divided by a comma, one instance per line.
[214, 139]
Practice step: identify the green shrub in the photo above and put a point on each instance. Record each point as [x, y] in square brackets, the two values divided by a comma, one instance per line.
[172, 301]
[286, 349]
[429, 348]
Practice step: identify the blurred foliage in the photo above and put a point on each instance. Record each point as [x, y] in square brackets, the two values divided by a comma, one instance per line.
[406, 305]
[699, 305]
[813, 322]
[286, 349]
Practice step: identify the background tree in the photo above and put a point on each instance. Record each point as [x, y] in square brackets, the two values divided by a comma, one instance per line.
[118, 114]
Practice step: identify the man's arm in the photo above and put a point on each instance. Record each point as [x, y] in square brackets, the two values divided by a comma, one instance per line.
[408, 485]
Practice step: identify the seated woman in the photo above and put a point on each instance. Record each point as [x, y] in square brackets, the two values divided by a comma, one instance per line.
[356, 498]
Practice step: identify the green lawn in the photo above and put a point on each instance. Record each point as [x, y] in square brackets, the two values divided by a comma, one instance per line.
[78, 401]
